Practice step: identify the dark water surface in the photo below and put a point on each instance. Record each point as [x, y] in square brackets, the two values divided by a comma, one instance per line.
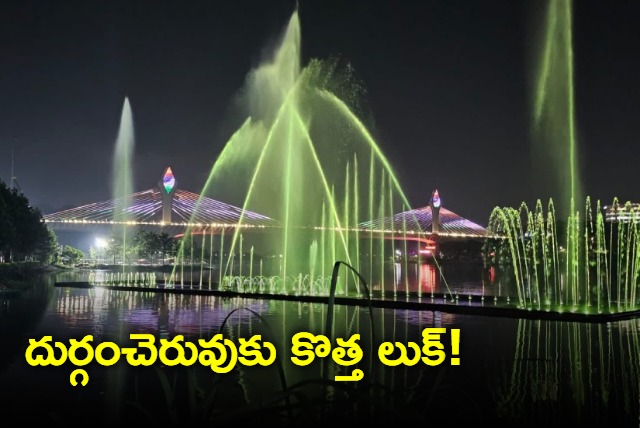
[512, 372]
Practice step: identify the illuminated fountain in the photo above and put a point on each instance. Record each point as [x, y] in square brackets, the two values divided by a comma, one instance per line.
[565, 258]
[122, 176]
[304, 157]
[589, 264]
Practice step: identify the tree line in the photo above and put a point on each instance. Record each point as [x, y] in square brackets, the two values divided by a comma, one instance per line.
[23, 234]
[152, 246]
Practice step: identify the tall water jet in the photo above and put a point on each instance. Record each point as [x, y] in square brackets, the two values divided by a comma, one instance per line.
[554, 134]
[122, 175]
[560, 255]
[304, 156]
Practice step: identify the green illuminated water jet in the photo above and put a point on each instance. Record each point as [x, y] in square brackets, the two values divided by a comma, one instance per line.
[555, 365]
[598, 273]
[565, 256]
[122, 175]
[304, 156]
[554, 123]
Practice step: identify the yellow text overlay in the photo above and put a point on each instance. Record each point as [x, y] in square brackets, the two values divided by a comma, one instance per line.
[222, 355]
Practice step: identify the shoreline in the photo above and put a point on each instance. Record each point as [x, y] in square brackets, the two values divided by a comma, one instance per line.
[17, 276]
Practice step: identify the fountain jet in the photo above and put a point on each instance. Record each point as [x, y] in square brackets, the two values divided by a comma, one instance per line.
[122, 175]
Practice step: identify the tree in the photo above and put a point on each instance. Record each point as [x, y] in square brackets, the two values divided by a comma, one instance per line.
[168, 246]
[47, 249]
[115, 248]
[93, 254]
[151, 244]
[146, 244]
[72, 255]
[23, 233]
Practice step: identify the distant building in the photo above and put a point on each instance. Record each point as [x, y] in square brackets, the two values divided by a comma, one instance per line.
[622, 213]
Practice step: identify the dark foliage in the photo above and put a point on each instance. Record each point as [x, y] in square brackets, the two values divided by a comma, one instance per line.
[23, 234]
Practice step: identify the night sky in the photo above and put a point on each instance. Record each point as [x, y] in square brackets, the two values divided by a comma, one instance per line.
[447, 85]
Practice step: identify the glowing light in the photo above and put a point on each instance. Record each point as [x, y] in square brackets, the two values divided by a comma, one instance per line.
[436, 199]
[168, 180]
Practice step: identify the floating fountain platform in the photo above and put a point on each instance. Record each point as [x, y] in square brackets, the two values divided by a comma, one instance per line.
[74, 284]
[464, 304]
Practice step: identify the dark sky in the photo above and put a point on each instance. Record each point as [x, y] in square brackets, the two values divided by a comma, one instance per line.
[446, 83]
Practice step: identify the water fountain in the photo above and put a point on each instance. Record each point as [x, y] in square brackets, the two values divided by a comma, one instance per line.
[302, 156]
[569, 257]
[122, 176]
[589, 264]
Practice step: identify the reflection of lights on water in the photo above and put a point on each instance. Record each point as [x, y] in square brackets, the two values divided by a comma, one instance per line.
[422, 279]
[144, 311]
[427, 277]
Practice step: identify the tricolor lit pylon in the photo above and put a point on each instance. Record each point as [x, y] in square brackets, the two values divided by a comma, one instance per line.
[168, 189]
[168, 180]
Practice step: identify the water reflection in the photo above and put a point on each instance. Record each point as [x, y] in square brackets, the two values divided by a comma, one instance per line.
[416, 278]
[20, 314]
[588, 371]
[167, 314]
[511, 370]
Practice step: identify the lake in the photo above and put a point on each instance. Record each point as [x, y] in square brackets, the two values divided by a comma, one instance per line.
[511, 372]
